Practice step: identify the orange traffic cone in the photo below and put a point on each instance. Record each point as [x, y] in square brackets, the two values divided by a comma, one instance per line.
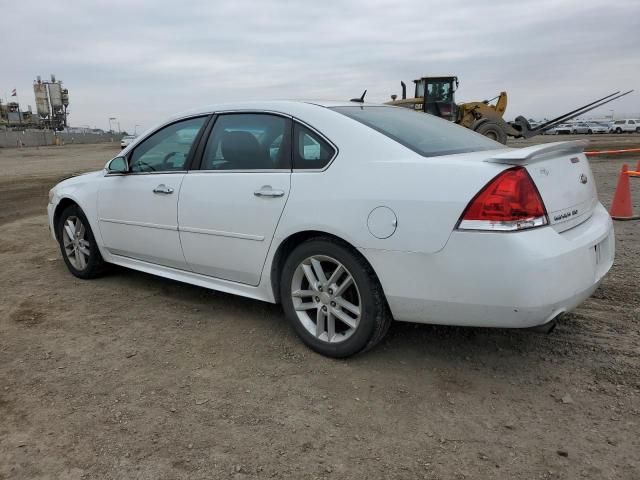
[621, 207]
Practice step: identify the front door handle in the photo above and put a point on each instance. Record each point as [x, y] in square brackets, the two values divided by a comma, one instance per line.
[162, 188]
[267, 191]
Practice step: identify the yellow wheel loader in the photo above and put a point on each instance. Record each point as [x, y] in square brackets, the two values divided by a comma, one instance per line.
[436, 95]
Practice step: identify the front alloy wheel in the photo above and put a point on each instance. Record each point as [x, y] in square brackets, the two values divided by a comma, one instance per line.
[78, 245]
[332, 298]
[75, 242]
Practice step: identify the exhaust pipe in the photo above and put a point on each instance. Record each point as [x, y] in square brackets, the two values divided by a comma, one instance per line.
[546, 327]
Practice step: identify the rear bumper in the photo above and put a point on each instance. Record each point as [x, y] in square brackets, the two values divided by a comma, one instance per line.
[487, 279]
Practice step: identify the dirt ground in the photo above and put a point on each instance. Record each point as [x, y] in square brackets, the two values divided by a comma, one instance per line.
[132, 376]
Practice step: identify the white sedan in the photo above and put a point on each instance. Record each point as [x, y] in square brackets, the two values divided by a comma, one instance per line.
[126, 140]
[350, 215]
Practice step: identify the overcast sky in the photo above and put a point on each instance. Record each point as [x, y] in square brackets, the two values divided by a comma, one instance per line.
[141, 61]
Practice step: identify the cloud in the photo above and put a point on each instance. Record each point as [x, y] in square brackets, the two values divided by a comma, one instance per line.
[143, 61]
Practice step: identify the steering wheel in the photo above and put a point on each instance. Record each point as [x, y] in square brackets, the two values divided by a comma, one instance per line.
[165, 161]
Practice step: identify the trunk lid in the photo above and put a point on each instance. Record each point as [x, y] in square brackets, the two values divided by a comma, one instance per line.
[564, 179]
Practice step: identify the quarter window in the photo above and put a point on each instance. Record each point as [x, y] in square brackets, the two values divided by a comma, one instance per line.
[167, 150]
[248, 141]
[310, 150]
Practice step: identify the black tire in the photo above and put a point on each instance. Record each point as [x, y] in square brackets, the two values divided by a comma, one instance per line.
[493, 130]
[618, 130]
[637, 129]
[375, 316]
[590, 132]
[95, 265]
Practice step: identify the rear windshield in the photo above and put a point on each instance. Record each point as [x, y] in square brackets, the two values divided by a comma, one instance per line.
[421, 132]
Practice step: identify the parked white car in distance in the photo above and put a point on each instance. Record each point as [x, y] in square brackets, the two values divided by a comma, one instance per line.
[349, 215]
[596, 127]
[588, 128]
[563, 129]
[126, 140]
[625, 126]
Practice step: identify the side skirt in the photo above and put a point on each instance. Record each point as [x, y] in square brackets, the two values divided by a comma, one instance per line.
[257, 293]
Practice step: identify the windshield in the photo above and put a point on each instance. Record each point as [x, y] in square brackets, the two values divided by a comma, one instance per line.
[423, 133]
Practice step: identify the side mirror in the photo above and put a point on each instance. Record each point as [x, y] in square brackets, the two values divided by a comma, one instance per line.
[118, 165]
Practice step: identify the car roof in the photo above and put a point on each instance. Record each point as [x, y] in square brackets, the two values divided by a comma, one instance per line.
[305, 110]
[272, 105]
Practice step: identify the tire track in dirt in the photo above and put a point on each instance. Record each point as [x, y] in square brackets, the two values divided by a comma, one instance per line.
[25, 197]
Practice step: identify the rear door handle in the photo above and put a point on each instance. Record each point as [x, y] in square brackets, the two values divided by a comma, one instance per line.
[267, 191]
[162, 188]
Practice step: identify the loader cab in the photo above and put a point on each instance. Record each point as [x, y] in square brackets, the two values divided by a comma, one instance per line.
[439, 96]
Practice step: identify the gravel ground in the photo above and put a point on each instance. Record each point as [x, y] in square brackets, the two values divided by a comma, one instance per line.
[132, 376]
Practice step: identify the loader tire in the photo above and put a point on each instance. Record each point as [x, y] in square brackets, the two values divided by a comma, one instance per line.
[493, 130]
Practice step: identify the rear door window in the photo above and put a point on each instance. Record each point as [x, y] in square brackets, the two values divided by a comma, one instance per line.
[248, 141]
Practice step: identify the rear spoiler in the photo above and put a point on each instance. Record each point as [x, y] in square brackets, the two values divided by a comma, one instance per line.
[523, 156]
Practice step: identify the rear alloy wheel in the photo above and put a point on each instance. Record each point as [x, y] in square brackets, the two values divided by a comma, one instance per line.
[333, 299]
[78, 245]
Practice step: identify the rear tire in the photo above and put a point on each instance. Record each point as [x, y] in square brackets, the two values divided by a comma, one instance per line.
[333, 299]
[618, 130]
[493, 130]
[78, 245]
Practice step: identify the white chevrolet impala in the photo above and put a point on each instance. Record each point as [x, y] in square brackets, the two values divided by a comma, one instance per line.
[348, 214]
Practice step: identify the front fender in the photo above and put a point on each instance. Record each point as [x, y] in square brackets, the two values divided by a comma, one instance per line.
[83, 191]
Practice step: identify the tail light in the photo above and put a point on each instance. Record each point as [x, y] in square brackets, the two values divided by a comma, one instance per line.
[509, 202]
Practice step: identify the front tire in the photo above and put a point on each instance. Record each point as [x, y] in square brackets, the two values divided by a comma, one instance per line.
[333, 299]
[494, 131]
[78, 245]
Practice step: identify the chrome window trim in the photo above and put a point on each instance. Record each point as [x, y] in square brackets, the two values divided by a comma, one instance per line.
[128, 174]
[293, 118]
[258, 170]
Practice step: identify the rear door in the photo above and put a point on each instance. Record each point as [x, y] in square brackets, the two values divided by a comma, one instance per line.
[229, 208]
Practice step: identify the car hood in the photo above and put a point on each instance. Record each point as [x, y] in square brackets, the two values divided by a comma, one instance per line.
[76, 178]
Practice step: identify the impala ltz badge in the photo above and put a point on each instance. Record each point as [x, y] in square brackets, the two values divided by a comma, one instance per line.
[583, 178]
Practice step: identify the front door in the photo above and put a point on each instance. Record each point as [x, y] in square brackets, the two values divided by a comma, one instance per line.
[138, 211]
[229, 209]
